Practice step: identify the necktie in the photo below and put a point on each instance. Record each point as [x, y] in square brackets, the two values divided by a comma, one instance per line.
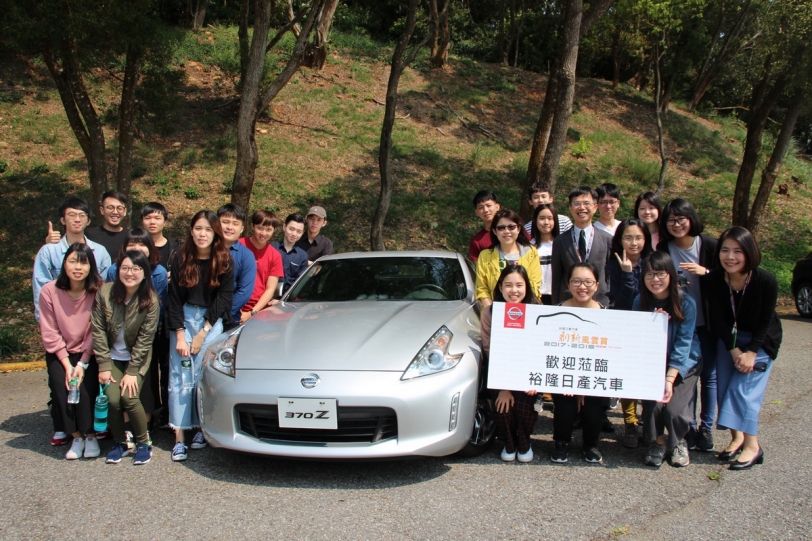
[582, 245]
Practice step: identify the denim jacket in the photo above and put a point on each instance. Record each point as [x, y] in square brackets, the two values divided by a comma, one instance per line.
[684, 352]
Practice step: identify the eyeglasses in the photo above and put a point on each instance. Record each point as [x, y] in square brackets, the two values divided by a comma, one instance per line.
[74, 215]
[676, 221]
[579, 204]
[577, 282]
[660, 275]
[608, 202]
[509, 227]
[135, 269]
[640, 238]
[111, 208]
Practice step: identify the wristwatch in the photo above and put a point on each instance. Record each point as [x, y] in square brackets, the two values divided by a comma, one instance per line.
[83, 365]
[253, 312]
[207, 327]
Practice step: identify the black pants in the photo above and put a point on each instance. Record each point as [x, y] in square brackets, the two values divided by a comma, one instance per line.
[566, 410]
[72, 417]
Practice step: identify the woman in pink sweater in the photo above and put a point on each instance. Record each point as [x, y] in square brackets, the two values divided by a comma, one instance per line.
[65, 306]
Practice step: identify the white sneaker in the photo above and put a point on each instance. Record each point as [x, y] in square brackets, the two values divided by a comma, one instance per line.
[199, 441]
[526, 457]
[92, 448]
[76, 449]
[508, 457]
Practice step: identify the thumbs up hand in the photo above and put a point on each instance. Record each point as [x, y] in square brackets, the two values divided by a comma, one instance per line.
[53, 236]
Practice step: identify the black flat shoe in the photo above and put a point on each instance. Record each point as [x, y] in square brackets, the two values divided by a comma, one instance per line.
[727, 455]
[758, 459]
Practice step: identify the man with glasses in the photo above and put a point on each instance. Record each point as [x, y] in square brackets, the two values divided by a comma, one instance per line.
[608, 205]
[583, 242]
[74, 214]
[111, 233]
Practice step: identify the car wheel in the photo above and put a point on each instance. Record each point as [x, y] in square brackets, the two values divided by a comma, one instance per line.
[484, 429]
[803, 300]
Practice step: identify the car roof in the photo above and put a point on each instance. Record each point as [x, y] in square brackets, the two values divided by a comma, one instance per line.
[441, 254]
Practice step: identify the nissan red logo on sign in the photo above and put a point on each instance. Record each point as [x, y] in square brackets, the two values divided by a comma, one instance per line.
[514, 315]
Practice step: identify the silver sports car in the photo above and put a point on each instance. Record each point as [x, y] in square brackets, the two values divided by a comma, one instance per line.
[368, 355]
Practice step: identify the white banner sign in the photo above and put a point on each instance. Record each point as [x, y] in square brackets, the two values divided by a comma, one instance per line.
[562, 350]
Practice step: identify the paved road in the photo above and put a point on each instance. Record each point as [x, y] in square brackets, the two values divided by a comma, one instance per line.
[220, 494]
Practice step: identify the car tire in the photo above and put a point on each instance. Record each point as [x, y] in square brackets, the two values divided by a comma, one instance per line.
[484, 431]
[803, 299]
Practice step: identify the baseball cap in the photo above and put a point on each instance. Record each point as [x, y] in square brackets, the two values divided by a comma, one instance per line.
[318, 211]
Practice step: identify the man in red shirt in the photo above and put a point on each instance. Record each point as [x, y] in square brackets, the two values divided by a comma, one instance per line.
[269, 262]
[485, 207]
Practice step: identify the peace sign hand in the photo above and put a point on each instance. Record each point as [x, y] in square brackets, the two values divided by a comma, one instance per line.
[625, 264]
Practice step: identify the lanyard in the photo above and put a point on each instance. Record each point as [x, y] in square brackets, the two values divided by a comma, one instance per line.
[588, 243]
[735, 308]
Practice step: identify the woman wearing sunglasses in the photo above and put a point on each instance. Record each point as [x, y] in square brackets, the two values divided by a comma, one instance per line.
[510, 247]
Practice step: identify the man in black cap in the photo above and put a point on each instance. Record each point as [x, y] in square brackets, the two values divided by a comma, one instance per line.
[313, 242]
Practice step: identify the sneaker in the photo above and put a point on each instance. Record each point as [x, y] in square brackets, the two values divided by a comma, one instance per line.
[613, 402]
[704, 440]
[539, 404]
[679, 455]
[143, 454]
[59, 438]
[179, 452]
[561, 452]
[654, 456]
[103, 435]
[508, 457]
[129, 440]
[77, 448]
[199, 441]
[526, 457]
[630, 436]
[607, 426]
[690, 438]
[593, 456]
[92, 448]
[119, 451]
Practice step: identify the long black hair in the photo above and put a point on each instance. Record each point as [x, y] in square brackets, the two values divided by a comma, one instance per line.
[85, 255]
[145, 289]
[617, 240]
[529, 296]
[138, 235]
[535, 234]
[656, 262]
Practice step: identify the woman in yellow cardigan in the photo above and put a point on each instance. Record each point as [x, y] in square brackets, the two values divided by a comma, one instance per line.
[510, 247]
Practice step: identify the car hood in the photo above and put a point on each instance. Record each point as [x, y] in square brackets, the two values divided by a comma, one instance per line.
[354, 335]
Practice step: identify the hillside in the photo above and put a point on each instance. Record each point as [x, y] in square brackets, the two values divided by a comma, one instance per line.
[458, 130]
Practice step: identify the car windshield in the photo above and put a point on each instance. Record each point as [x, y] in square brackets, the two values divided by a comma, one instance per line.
[381, 279]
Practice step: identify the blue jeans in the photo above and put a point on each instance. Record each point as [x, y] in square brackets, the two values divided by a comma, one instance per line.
[741, 395]
[707, 379]
[182, 407]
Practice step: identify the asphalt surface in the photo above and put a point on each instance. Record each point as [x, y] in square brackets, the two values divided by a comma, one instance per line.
[221, 494]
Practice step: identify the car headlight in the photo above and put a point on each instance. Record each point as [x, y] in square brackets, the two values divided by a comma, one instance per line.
[433, 357]
[222, 355]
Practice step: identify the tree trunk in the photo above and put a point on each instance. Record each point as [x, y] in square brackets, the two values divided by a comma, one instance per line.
[126, 128]
[770, 172]
[197, 13]
[667, 91]
[566, 92]
[658, 114]
[316, 52]
[441, 37]
[387, 182]
[616, 61]
[252, 103]
[82, 116]
[242, 37]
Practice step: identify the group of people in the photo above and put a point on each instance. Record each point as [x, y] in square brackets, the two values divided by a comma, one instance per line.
[135, 328]
[723, 331]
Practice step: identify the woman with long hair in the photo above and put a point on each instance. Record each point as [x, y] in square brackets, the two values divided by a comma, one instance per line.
[64, 322]
[660, 292]
[125, 317]
[515, 414]
[630, 246]
[582, 282]
[544, 229]
[510, 247]
[200, 294]
[647, 209]
[694, 257]
[742, 303]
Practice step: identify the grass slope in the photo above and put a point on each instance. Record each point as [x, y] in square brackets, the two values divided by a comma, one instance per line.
[459, 130]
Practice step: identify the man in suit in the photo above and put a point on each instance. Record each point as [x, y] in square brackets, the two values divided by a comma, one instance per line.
[583, 242]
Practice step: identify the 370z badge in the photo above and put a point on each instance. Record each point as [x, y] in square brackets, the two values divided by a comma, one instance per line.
[315, 413]
[514, 315]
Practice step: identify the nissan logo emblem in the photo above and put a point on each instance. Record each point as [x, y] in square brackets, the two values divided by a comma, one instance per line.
[309, 381]
[515, 313]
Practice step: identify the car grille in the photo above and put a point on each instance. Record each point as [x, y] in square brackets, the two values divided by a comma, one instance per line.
[355, 425]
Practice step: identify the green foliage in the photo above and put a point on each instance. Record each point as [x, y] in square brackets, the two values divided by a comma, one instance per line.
[10, 342]
[192, 192]
[581, 148]
[3, 166]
